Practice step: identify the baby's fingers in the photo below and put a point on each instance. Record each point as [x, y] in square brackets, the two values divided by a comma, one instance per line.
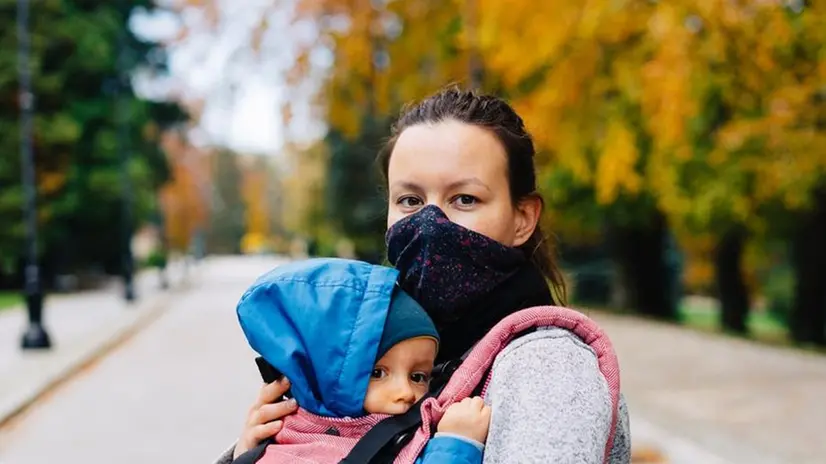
[272, 392]
[485, 412]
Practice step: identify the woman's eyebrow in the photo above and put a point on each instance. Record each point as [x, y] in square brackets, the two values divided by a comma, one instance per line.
[468, 181]
[404, 185]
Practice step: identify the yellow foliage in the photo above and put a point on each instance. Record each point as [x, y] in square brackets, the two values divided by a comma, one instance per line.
[255, 177]
[50, 182]
[303, 188]
[624, 96]
[667, 102]
[698, 271]
[185, 200]
[376, 72]
[616, 166]
[253, 242]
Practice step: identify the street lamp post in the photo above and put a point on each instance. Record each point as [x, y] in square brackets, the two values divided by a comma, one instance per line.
[35, 336]
[127, 260]
[162, 269]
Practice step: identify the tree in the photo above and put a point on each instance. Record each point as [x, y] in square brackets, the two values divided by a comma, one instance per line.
[698, 117]
[385, 56]
[75, 58]
[256, 177]
[703, 111]
[354, 199]
[304, 179]
[808, 318]
[186, 200]
[227, 221]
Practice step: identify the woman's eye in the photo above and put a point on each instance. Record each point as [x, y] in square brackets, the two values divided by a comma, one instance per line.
[419, 377]
[409, 202]
[465, 200]
[377, 374]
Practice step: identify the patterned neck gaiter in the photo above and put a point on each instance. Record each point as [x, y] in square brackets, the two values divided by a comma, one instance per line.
[446, 267]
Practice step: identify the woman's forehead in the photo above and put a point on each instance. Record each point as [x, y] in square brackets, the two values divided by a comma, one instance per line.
[447, 152]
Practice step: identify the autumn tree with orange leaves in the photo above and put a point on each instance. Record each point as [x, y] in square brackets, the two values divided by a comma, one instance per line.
[708, 114]
[186, 198]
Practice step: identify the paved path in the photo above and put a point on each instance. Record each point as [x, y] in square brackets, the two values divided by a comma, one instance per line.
[71, 316]
[80, 325]
[177, 392]
[740, 401]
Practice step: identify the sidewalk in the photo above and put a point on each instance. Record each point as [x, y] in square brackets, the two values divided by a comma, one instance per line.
[707, 398]
[177, 391]
[81, 326]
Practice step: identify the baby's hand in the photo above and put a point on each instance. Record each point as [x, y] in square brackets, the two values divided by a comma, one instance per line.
[469, 418]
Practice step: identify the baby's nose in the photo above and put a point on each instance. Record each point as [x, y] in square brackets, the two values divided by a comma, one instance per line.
[405, 393]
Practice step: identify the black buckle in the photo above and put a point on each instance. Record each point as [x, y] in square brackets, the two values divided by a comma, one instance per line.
[392, 449]
[441, 374]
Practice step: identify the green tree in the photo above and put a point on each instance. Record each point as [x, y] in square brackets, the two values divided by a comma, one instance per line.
[354, 201]
[227, 222]
[75, 51]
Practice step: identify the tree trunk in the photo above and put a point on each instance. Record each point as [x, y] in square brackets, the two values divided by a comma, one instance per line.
[808, 318]
[734, 297]
[640, 256]
[475, 70]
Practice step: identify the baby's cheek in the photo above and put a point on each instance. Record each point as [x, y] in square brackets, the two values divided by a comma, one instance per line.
[421, 390]
[370, 398]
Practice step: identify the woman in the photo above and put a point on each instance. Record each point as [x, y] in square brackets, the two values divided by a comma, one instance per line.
[463, 230]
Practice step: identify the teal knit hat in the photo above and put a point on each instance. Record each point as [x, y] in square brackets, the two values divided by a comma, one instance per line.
[406, 319]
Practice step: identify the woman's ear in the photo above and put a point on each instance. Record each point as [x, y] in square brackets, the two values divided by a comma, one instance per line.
[528, 211]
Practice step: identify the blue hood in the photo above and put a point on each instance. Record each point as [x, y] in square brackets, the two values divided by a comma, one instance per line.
[319, 322]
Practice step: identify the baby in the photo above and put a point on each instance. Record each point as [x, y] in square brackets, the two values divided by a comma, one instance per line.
[352, 343]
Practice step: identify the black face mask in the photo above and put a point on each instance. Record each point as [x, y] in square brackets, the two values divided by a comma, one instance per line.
[446, 267]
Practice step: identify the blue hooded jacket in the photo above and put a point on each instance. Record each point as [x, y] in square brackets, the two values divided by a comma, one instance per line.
[320, 322]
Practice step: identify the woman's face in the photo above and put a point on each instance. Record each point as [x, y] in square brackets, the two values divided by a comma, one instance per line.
[462, 169]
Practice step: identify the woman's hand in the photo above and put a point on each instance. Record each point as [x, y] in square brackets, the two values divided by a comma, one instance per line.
[263, 418]
[469, 418]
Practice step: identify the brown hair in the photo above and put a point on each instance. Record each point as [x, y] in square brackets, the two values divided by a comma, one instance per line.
[495, 115]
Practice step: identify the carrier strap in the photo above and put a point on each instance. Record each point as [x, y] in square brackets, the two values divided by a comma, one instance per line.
[253, 455]
[383, 442]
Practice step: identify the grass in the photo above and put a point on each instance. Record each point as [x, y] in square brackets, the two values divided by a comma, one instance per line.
[763, 328]
[706, 316]
[9, 300]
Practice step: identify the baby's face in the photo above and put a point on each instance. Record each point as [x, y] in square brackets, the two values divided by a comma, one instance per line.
[401, 377]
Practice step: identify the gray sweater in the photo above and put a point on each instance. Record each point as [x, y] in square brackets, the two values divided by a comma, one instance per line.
[550, 403]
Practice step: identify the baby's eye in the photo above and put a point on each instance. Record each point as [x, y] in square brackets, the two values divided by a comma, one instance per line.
[419, 377]
[377, 374]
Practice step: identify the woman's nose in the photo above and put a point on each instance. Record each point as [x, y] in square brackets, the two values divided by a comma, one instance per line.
[442, 205]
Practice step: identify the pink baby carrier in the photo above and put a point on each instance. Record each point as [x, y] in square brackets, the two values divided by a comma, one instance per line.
[308, 438]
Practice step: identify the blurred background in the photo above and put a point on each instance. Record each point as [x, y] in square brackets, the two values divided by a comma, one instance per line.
[681, 154]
